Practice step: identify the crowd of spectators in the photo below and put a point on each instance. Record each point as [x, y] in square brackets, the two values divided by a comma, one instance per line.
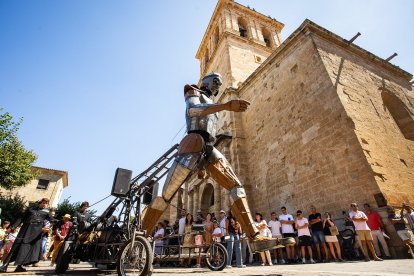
[315, 235]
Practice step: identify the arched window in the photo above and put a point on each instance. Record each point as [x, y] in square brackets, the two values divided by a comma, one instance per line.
[207, 199]
[266, 37]
[242, 26]
[216, 36]
[400, 114]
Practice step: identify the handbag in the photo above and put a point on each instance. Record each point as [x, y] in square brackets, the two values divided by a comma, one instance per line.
[334, 230]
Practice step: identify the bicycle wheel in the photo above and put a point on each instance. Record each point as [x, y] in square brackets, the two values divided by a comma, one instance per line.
[216, 257]
[139, 262]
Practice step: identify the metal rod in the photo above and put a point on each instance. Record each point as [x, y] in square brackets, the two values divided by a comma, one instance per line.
[355, 37]
[391, 57]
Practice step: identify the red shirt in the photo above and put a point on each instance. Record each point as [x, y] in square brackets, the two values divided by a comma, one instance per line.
[373, 222]
[64, 228]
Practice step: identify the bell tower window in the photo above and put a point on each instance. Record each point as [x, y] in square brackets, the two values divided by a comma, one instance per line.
[266, 37]
[216, 36]
[242, 27]
[206, 58]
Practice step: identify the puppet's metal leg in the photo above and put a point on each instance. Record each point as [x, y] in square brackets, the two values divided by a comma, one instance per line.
[189, 154]
[221, 171]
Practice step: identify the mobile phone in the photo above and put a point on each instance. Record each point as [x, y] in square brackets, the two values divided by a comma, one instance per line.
[343, 213]
[326, 215]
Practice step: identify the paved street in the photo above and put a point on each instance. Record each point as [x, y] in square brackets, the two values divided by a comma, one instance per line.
[385, 268]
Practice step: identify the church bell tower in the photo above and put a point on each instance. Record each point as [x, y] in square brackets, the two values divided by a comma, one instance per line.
[237, 40]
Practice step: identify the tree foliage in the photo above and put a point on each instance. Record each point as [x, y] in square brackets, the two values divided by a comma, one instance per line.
[15, 160]
[12, 207]
[67, 207]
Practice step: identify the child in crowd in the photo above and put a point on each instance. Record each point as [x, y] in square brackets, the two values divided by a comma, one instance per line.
[8, 243]
[216, 236]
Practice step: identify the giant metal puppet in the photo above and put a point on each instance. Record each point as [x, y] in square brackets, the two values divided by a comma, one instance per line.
[196, 151]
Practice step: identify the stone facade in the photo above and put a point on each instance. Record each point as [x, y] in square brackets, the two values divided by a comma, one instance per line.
[329, 123]
[49, 184]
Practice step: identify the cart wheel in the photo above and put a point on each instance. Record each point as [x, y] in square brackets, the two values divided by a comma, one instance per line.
[141, 261]
[64, 257]
[216, 257]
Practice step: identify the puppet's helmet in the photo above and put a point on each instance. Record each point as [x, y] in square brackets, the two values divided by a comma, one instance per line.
[212, 82]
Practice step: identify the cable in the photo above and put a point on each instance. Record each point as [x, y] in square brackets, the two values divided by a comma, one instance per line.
[99, 201]
[178, 133]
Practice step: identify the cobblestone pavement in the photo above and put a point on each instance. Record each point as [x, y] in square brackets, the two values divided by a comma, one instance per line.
[385, 268]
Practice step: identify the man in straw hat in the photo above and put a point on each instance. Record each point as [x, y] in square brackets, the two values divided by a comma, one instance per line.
[62, 230]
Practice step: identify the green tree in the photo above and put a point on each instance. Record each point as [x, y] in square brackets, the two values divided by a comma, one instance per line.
[12, 207]
[15, 160]
[67, 207]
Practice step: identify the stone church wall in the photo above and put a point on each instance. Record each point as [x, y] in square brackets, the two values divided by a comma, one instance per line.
[363, 89]
[301, 145]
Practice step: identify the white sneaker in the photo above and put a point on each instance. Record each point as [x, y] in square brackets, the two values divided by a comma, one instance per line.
[275, 262]
[282, 261]
[228, 266]
[303, 261]
[52, 264]
[312, 261]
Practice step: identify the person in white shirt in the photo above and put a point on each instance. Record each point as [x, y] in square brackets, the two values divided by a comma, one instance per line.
[288, 232]
[364, 233]
[158, 241]
[409, 215]
[216, 232]
[262, 226]
[216, 238]
[276, 229]
[223, 224]
[181, 224]
[302, 225]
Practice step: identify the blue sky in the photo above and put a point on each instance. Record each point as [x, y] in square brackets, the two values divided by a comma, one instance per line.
[99, 83]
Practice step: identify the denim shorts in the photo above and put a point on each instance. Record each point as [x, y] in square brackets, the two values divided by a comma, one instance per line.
[318, 237]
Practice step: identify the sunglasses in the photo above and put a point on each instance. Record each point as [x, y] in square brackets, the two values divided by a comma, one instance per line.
[298, 214]
[354, 205]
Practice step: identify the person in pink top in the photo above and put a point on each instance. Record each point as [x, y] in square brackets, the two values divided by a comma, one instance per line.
[364, 233]
[377, 229]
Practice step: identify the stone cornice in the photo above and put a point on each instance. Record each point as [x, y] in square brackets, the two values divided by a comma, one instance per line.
[308, 27]
[220, 5]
